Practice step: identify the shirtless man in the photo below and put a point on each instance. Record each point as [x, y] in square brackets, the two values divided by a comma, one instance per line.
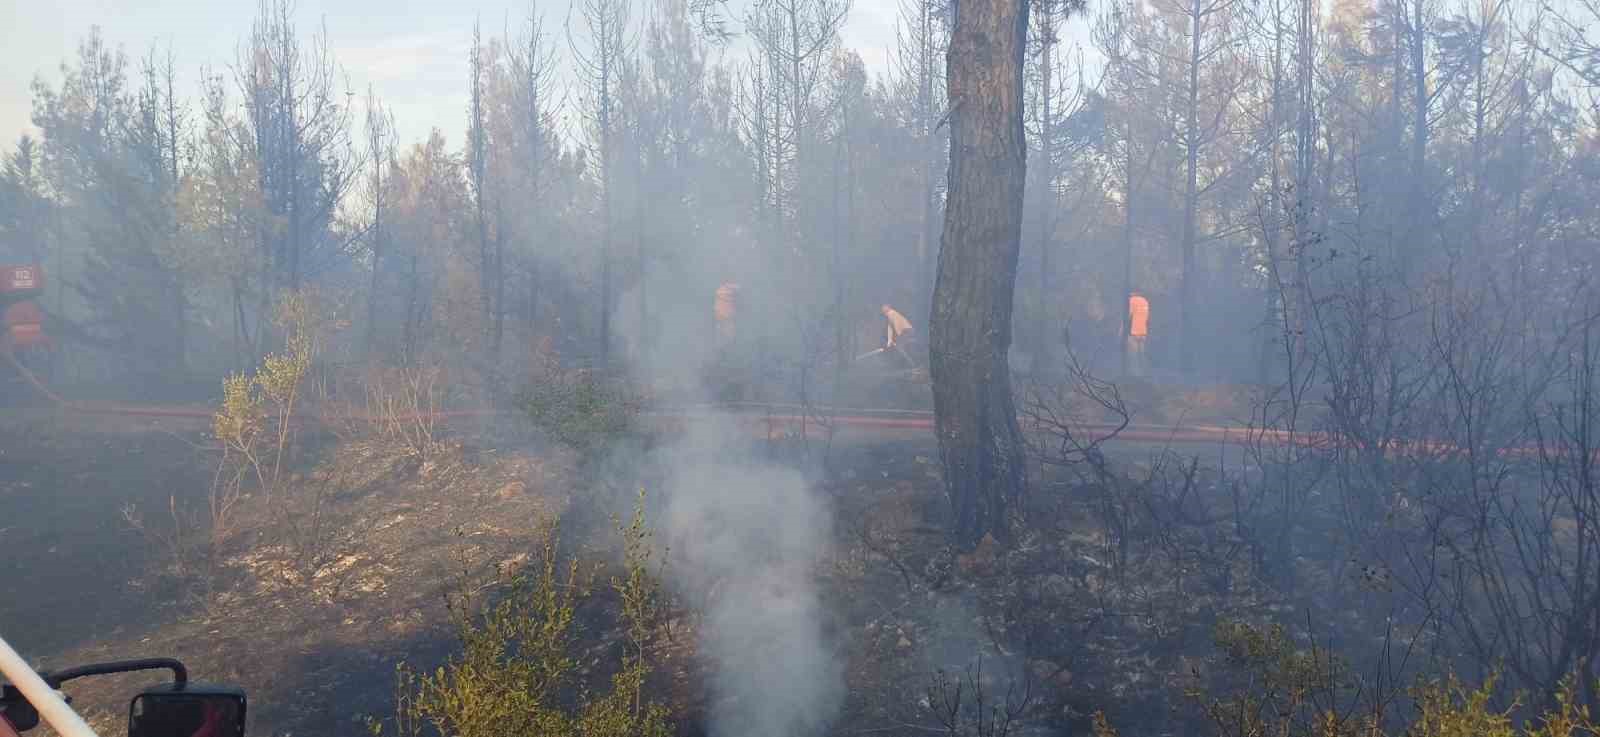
[898, 329]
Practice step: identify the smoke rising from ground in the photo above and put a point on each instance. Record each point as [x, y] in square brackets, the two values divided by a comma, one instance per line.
[745, 539]
[744, 536]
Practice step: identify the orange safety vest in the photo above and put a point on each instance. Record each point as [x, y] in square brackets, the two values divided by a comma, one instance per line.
[727, 301]
[1139, 315]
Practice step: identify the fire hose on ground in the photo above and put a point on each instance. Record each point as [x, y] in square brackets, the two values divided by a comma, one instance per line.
[774, 417]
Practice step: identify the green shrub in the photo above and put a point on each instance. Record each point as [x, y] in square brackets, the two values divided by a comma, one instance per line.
[1281, 690]
[516, 673]
[579, 409]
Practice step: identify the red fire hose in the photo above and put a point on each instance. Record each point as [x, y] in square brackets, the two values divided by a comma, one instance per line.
[764, 417]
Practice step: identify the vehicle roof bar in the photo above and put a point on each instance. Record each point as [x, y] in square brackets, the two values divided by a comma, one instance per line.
[51, 707]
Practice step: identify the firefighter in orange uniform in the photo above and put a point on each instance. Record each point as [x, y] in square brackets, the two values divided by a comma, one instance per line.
[724, 310]
[1138, 332]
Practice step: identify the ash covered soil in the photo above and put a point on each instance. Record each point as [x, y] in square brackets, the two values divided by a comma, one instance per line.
[316, 646]
[82, 584]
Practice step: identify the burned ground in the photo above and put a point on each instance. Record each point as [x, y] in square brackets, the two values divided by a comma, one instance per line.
[1109, 602]
[314, 654]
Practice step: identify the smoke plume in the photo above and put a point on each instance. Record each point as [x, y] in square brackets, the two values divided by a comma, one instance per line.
[745, 538]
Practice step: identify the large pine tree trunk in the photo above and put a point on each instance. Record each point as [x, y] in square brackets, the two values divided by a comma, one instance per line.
[980, 443]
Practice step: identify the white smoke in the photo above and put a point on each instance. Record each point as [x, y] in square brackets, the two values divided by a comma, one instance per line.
[745, 540]
[744, 536]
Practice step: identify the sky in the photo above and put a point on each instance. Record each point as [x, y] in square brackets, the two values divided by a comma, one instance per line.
[412, 52]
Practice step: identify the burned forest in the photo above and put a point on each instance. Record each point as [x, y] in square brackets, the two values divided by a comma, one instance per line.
[801, 368]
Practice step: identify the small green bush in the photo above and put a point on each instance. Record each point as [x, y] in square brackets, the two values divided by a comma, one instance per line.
[579, 409]
[516, 673]
[1285, 691]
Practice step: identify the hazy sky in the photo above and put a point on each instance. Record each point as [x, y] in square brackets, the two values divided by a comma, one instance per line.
[413, 52]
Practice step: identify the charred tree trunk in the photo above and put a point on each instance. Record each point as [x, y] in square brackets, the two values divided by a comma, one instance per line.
[980, 442]
[1045, 317]
[478, 168]
[841, 159]
[1421, 207]
[1394, 210]
[1129, 192]
[379, 127]
[499, 324]
[1191, 196]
